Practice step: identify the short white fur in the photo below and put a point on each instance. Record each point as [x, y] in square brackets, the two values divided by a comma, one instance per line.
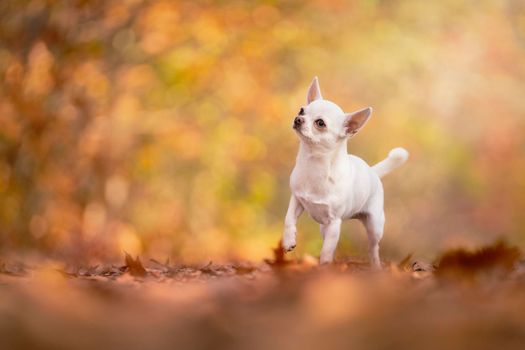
[332, 185]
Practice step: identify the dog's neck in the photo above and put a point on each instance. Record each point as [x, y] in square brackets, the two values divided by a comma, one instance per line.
[319, 158]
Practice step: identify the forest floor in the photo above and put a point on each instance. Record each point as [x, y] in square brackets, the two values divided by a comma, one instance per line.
[466, 300]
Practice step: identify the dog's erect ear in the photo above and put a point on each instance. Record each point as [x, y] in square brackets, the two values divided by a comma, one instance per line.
[354, 121]
[314, 92]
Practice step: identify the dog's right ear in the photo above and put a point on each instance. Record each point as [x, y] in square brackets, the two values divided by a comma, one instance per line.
[314, 91]
[356, 120]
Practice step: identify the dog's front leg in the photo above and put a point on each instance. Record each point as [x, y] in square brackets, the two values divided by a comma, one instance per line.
[330, 233]
[295, 209]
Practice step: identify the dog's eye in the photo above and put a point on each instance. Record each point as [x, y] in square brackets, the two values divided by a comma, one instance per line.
[301, 111]
[320, 123]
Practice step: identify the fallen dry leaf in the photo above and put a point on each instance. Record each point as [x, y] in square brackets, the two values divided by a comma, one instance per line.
[279, 259]
[135, 267]
[498, 259]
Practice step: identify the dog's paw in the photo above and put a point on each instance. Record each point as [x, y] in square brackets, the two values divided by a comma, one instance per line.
[289, 245]
[289, 248]
[325, 259]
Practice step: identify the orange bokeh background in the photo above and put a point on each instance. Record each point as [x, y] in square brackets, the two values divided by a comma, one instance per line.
[163, 127]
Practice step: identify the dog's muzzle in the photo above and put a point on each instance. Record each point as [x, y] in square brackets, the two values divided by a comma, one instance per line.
[297, 122]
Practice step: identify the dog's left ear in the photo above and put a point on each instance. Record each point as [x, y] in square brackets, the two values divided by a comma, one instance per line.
[356, 120]
[314, 91]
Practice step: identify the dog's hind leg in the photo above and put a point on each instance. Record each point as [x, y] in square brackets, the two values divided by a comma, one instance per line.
[374, 224]
[330, 233]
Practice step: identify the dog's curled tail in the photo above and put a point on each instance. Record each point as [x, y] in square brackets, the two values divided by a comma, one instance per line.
[396, 158]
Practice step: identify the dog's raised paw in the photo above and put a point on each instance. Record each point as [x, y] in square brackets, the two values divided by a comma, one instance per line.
[289, 248]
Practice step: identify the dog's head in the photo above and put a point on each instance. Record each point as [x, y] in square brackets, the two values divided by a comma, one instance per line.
[323, 123]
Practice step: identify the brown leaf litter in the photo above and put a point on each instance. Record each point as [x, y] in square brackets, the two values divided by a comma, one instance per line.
[279, 304]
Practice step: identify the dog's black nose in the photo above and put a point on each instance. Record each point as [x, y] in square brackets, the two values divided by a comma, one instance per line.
[298, 121]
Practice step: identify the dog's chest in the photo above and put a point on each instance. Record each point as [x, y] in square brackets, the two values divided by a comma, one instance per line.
[320, 191]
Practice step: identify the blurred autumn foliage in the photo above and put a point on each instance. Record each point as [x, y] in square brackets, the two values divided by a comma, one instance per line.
[163, 127]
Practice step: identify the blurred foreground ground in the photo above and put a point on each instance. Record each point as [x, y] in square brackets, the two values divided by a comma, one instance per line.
[468, 300]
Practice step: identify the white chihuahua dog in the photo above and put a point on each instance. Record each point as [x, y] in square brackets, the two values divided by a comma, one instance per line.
[332, 185]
